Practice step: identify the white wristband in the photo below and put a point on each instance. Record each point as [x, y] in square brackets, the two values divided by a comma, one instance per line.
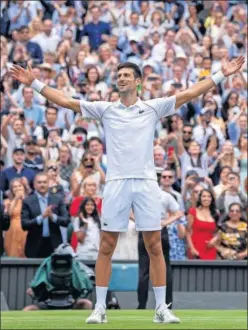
[218, 77]
[37, 85]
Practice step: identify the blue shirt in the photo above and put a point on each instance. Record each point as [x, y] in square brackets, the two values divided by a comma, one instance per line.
[94, 32]
[23, 20]
[34, 113]
[10, 173]
[43, 202]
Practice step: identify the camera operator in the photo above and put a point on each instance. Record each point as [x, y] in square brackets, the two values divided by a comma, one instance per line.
[77, 283]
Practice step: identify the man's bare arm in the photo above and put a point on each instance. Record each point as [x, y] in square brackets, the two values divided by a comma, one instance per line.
[227, 69]
[27, 77]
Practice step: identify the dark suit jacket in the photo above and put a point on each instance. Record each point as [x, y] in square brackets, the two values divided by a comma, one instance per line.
[4, 225]
[30, 210]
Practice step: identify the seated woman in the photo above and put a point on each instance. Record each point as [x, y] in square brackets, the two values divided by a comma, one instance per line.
[90, 190]
[87, 229]
[231, 238]
[15, 237]
[201, 227]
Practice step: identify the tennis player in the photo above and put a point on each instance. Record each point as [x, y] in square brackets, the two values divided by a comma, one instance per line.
[131, 181]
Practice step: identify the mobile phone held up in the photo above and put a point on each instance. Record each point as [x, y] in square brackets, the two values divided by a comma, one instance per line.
[170, 152]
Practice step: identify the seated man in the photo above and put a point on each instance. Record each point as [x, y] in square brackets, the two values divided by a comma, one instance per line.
[50, 290]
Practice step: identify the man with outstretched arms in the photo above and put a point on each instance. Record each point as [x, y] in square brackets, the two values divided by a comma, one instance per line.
[129, 126]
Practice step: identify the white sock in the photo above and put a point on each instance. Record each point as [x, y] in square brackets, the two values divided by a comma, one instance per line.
[160, 294]
[101, 293]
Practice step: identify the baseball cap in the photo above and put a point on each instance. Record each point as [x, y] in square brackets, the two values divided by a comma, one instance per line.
[18, 149]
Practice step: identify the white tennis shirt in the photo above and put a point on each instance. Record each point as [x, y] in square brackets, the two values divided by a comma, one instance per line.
[129, 133]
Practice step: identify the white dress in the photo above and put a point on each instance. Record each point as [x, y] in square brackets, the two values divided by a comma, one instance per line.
[88, 250]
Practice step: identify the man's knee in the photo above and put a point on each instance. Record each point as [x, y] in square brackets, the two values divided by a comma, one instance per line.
[108, 243]
[153, 244]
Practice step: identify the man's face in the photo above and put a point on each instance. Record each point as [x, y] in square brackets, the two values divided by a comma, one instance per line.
[95, 148]
[47, 26]
[18, 158]
[167, 178]
[28, 94]
[41, 184]
[170, 37]
[51, 116]
[233, 181]
[95, 12]
[17, 127]
[126, 81]
[224, 175]
[177, 71]
[31, 149]
[134, 19]
[187, 133]
[158, 157]
[243, 122]
[24, 35]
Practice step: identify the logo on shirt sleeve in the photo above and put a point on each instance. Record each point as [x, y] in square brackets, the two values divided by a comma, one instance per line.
[141, 111]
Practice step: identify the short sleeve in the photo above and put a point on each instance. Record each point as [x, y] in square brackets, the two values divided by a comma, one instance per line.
[76, 225]
[164, 106]
[173, 205]
[94, 110]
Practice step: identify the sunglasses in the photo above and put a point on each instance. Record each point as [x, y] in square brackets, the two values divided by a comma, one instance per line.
[52, 168]
[88, 159]
[235, 211]
[187, 132]
[167, 176]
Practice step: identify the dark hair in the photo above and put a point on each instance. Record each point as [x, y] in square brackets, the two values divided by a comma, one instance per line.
[137, 72]
[95, 138]
[23, 27]
[224, 167]
[209, 141]
[235, 174]
[212, 207]
[188, 125]
[94, 214]
[90, 67]
[225, 107]
[234, 203]
[51, 107]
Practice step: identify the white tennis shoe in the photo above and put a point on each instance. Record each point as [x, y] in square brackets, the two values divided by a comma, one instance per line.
[98, 316]
[164, 315]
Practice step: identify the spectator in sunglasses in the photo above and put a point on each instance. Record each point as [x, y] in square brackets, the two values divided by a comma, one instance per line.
[56, 184]
[187, 135]
[231, 239]
[89, 166]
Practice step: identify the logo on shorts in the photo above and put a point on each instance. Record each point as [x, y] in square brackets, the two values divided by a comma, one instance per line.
[141, 111]
[105, 224]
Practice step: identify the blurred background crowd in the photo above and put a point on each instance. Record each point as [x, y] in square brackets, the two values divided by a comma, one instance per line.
[200, 153]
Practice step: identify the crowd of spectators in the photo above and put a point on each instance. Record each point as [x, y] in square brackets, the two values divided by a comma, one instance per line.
[200, 153]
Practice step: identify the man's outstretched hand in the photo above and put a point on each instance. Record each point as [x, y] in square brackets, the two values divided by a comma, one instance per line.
[25, 77]
[230, 67]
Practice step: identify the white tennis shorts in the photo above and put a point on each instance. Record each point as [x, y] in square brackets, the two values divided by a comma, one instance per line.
[142, 195]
